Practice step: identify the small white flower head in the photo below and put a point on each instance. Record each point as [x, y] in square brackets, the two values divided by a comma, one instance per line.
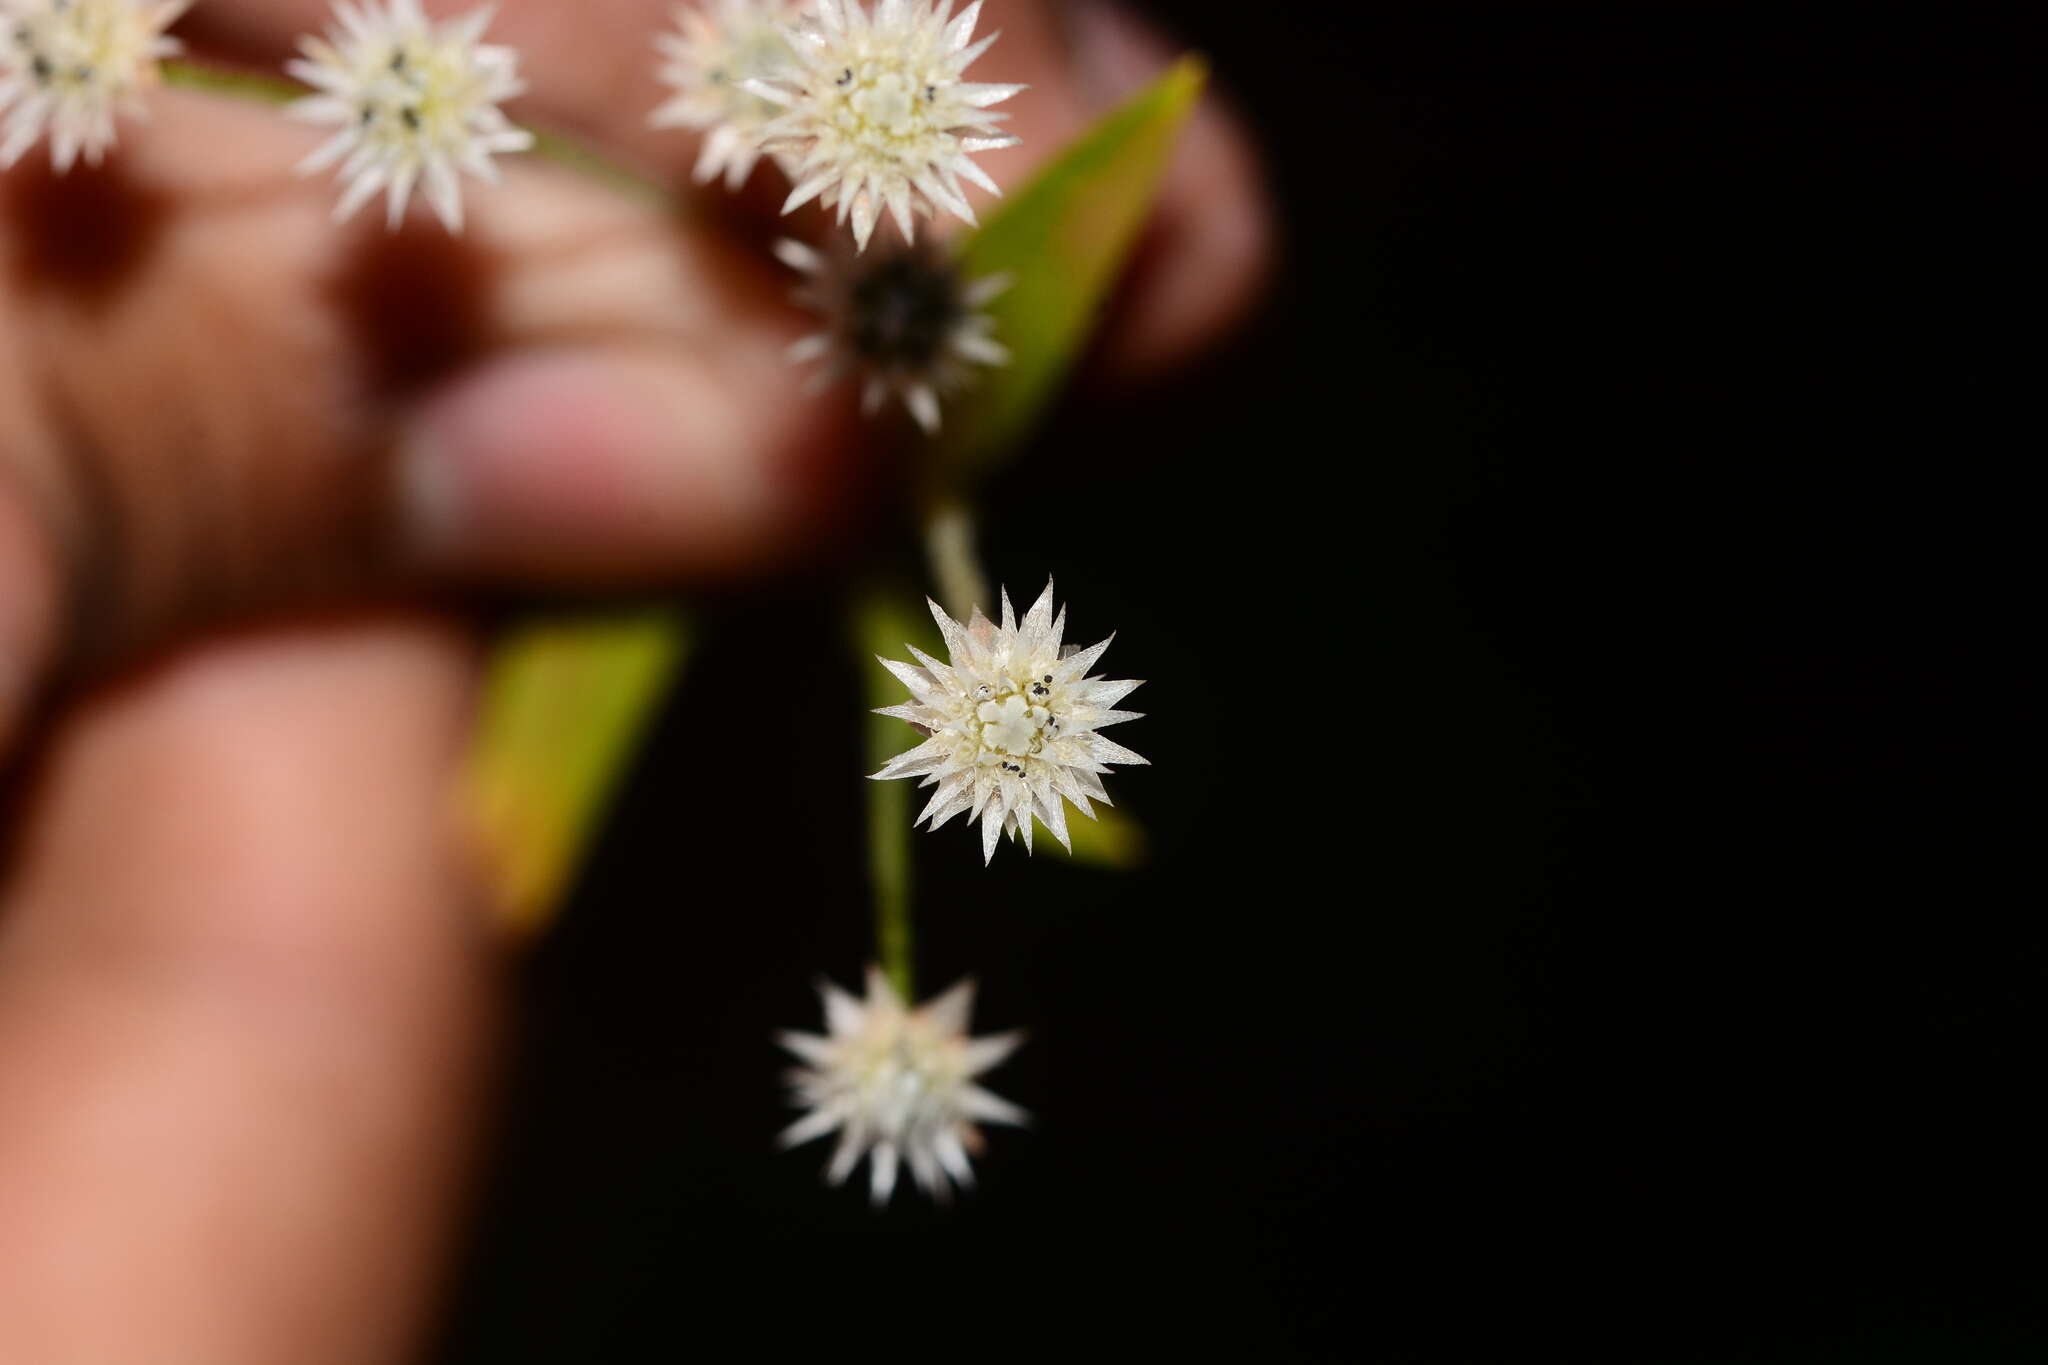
[716, 48]
[417, 103]
[901, 320]
[876, 113]
[1012, 722]
[67, 67]
[897, 1085]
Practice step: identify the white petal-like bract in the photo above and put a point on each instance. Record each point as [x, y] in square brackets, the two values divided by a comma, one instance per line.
[898, 1086]
[417, 104]
[68, 67]
[877, 114]
[718, 46]
[901, 321]
[1012, 723]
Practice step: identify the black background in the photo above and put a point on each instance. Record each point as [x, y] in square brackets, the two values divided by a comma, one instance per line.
[1580, 922]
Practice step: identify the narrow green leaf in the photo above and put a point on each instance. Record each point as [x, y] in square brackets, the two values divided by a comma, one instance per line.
[565, 702]
[1063, 239]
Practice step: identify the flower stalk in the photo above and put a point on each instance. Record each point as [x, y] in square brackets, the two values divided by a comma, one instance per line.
[563, 151]
[955, 568]
[181, 73]
[882, 621]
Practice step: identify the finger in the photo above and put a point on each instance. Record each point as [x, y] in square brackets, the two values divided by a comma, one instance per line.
[592, 68]
[212, 399]
[1211, 246]
[28, 597]
[243, 996]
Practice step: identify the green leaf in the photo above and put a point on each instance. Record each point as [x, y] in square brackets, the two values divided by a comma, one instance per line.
[564, 705]
[1063, 239]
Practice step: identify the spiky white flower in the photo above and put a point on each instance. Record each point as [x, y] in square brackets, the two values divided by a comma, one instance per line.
[67, 67]
[901, 320]
[1012, 721]
[716, 48]
[877, 113]
[897, 1085]
[417, 103]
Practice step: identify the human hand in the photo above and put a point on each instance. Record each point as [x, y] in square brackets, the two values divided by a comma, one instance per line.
[245, 982]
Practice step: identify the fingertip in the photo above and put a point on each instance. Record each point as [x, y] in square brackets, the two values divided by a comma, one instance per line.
[1207, 257]
[602, 463]
[1212, 244]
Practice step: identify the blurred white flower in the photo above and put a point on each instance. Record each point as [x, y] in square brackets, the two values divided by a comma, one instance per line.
[67, 67]
[877, 113]
[1012, 722]
[901, 320]
[897, 1085]
[417, 103]
[718, 46]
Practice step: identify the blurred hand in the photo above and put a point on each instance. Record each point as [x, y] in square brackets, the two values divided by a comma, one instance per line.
[244, 973]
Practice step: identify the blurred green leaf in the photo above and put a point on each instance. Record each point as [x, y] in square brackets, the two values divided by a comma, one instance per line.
[565, 702]
[1063, 239]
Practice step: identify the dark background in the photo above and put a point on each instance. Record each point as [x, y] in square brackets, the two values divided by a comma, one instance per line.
[1580, 922]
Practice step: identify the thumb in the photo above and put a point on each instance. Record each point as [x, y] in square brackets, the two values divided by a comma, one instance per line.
[246, 1006]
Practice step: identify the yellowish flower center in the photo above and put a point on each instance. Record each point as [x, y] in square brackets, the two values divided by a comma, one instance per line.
[1012, 726]
[420, 91]
[75, 48]
[881, 104]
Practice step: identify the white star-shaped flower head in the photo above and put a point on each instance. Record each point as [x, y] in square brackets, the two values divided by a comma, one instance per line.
[898, 1086]
[417, 103]
[1012, 721]
[877, 113]
[716, 48]
[68, 67]
[901, 320]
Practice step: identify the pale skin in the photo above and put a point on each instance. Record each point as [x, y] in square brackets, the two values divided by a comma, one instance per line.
[246, 976]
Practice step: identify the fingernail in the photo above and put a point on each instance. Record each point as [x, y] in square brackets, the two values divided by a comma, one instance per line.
[586, 463]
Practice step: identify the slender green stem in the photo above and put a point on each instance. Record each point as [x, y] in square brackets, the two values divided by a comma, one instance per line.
[882, 621]
[245, 85]
[572, 155]
[949, 550]
[552, 146]
[889, 869]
